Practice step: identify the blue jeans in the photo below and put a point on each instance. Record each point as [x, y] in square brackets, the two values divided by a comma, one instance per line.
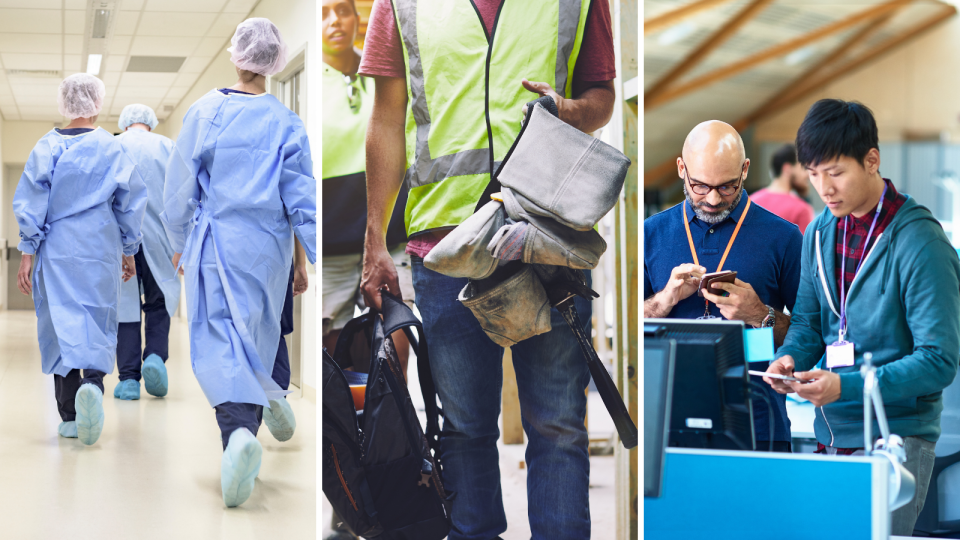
[552, 376]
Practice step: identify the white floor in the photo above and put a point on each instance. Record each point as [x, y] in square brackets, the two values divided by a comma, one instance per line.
[154, 473]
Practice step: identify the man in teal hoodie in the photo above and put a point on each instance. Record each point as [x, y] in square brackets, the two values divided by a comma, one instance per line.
[878, 275]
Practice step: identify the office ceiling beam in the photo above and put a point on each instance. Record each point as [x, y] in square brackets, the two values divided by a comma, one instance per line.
[776, 51]
[677, 16]
[792, 95]
[715, 40]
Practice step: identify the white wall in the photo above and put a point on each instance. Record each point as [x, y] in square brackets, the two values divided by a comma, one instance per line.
[298, 21]
[3, 211]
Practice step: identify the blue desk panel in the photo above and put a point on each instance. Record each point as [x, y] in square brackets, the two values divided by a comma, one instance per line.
[712, 495]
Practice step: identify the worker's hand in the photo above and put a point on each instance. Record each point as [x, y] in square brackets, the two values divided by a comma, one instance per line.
[23, 274]
[684, 281]
[825, 388]
[741, 304]
[129, 267]
[176, 261]
[780, 366]
[379, 271]
[300, 280]
[544, 89]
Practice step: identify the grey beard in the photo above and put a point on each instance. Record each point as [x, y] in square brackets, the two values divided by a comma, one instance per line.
[711, 218]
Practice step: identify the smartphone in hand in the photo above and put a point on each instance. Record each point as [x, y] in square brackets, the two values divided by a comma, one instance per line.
[727, 276]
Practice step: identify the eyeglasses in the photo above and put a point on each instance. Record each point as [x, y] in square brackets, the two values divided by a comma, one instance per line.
[725, 190]
[353, 94]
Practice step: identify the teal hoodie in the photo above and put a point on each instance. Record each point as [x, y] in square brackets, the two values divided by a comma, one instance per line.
[903, 306]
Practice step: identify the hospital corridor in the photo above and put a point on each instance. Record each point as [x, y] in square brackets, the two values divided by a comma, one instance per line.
[154, 471]
[158, 287]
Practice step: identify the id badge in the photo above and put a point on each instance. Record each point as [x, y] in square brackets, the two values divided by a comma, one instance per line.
[840, 354]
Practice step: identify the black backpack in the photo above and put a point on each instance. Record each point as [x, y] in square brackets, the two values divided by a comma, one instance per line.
[380, 472]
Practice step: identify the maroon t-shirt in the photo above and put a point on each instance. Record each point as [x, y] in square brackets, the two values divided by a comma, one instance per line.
[383, 57]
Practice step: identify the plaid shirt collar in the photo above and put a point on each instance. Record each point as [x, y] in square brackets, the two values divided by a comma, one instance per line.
[857, 231]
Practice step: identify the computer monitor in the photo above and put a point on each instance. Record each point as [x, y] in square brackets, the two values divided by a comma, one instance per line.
[658, 361]
[711, 406]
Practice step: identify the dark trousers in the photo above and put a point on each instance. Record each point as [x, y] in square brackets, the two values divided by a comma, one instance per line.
[232, 416]
[156, 326]
[66, 390]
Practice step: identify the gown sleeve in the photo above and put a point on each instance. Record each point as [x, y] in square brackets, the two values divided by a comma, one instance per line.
[181, 187]
[33, 194]
[298, 190]
[129, 203]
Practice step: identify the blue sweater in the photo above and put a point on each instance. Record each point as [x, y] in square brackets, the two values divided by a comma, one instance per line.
[766, 254]
[903, 306]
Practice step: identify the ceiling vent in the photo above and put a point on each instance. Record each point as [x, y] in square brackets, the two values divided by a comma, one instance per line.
[155, 64]
[168, 108]
[36, 73]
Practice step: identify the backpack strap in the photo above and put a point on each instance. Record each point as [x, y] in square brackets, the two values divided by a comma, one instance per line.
[398, 316]
[352, 327]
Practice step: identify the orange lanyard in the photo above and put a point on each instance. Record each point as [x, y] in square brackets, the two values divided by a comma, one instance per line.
[693, 250]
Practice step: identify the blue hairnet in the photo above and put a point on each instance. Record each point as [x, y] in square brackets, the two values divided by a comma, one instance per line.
[137, 114]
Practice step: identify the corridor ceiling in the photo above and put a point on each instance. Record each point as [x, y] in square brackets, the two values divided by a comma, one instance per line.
[43, 41]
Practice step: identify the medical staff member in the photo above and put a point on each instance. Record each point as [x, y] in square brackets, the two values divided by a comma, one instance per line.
[453, 74]
[155, 272]
[879, 276]
[239, 186]
[79, 205]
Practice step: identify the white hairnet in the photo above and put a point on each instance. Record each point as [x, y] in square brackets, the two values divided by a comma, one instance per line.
[258, 47]
[80, 96]
[137, 114]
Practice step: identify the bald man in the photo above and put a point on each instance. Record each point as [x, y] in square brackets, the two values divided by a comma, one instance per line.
[692, 238]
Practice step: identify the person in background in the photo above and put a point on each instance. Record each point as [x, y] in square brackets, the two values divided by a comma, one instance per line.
[778, 197]
[156, 276]
[79, 205]
[347, 103]
[704, 234]
[879, 276]
[234, 199]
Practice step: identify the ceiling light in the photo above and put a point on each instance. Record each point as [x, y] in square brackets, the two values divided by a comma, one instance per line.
[101, 20]
[93, 64]
[676, 33]
[800, 56]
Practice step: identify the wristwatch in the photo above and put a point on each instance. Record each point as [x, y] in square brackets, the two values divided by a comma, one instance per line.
[770, 319]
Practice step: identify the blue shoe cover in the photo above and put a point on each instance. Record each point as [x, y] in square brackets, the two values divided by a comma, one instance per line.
[127, 390]
[89, 404]
[154, 376]
[239, 467]
[280, 420]
[68, 430]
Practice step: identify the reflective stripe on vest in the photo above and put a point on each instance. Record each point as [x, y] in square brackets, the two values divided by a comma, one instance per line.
[466, 96]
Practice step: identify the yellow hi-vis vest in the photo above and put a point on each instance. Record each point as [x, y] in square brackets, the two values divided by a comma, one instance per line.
[465, 95]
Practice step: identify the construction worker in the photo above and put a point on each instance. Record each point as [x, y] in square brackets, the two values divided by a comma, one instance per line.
[451, 80]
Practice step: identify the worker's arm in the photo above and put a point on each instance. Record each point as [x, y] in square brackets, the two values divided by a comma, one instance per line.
[386, 162]
[589, 110]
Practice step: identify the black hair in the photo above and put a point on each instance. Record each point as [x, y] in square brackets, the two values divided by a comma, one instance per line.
[834, 128]
[784, 155]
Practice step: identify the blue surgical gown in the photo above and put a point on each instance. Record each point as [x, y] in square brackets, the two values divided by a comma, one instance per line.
[79, 206]
[239, 186]
[151, 152]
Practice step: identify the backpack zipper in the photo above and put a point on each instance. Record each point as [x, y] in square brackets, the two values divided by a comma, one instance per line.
[343, 481]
